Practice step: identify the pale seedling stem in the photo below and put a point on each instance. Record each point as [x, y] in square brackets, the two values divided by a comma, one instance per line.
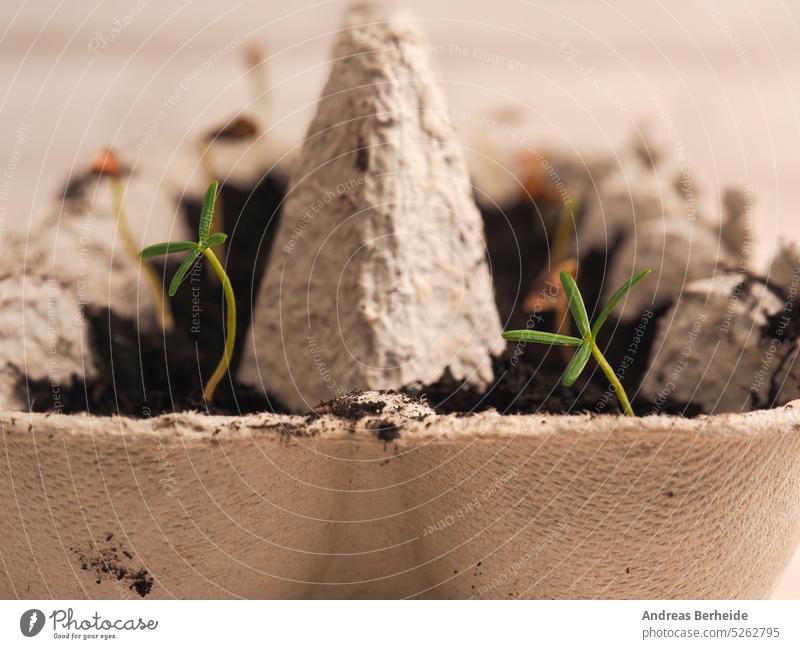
[107, 164]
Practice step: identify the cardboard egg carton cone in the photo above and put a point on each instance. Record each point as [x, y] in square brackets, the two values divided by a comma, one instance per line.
[726, 345]
[378, 276]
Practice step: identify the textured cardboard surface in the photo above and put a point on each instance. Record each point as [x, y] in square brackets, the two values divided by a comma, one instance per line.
[483, 506]
[378, 277]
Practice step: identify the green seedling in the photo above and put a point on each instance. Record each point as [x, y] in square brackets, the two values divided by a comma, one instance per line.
[538, 299]
[206, 156]
[206, 241]
[587, 343]
[107, 164]
[257, 71]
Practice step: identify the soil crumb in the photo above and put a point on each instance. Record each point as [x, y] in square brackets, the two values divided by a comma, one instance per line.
[348, 407]
[385, 430]
[108, 565]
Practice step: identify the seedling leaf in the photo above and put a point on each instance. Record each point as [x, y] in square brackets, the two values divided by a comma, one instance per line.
[587, 345]
[182, 272]
[577, 363]
[215, 239]
[618, 295]
[166, 248]
[575, 301]
[207, 214]
[531, 336]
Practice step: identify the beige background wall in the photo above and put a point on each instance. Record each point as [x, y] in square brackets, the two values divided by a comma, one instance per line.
[143, 75]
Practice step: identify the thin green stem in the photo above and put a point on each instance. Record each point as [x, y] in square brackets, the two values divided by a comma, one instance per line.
[152, 280]
[611, 375]
[230, 331]
[207, 164]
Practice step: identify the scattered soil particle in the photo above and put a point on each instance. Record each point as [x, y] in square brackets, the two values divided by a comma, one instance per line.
[107, 563]
[287, 430]
[142, 584]
[348, 408]
[385, 430]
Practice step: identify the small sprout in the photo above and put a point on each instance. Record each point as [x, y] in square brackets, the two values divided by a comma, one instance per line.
[207, 164]
[206, 241]
[107, 164]
[257, 71]
[538, 184]
[544, 299]
[540, 298]
[565, 232]
[587, 343]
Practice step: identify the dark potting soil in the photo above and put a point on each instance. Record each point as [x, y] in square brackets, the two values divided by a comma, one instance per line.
[142, 374]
